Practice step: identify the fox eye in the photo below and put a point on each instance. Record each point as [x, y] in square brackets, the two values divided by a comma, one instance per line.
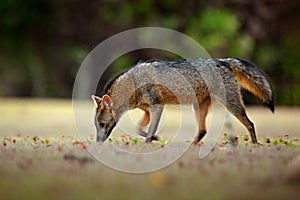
[101, 125]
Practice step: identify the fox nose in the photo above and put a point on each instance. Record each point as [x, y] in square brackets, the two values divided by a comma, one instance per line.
[98, 139]
[101, 137]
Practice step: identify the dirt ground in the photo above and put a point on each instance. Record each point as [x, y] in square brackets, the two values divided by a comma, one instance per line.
[42, 157]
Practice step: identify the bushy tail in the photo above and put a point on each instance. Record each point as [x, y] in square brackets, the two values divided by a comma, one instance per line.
[252, 79]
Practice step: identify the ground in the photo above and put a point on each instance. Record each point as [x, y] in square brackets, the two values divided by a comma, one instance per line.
[42, 156]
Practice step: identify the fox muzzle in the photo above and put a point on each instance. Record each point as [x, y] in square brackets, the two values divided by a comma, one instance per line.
[101, 138]
[103, 135]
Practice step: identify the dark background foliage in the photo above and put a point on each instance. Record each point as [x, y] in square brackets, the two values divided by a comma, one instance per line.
[43, 42]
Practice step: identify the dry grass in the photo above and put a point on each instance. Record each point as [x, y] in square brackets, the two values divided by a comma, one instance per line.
[41, 157]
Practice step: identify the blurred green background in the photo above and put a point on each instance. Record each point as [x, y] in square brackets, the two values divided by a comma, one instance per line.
[43, 42]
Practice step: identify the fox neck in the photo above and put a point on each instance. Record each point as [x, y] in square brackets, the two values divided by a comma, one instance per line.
[122, 93]
[121, 104]
[119, 111]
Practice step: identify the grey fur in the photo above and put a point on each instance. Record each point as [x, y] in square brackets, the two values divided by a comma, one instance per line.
[152, 84]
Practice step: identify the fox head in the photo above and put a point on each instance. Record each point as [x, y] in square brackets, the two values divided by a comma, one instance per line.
[105, 118]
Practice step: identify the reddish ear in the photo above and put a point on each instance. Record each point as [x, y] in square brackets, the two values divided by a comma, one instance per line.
[97, 100]
[107, 102]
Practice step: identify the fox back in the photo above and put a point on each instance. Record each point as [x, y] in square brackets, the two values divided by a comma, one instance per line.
[171, 82]
[152, 84]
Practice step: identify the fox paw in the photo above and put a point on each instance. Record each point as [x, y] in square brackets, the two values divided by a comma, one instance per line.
[152, 138]
[144, 134]
[155, 138]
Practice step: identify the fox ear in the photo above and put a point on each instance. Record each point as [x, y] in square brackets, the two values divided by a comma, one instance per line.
[107, 102]
[97, 100]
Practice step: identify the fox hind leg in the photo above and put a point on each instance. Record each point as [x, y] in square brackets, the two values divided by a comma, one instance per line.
[237, 109]
[242, 117]
[201, 111]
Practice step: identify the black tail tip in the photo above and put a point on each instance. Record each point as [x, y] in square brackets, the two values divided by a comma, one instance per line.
[270, 105]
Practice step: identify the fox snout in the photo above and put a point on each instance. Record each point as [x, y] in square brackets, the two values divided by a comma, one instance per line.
[101, 137]
[104, 132]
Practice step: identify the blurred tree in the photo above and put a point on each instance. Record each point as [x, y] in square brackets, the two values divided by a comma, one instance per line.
[43, 42]
[218, 31]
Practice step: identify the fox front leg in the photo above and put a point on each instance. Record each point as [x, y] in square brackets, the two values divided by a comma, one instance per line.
[155, 114]
[143, 123]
